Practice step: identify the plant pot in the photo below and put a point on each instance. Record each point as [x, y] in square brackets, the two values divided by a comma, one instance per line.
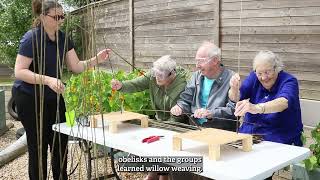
[299, 172]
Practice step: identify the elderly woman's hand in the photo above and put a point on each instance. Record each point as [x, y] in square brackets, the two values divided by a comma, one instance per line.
[176, 110]
[234, 92]
[235, 82]
[245, 106]
[115, 84]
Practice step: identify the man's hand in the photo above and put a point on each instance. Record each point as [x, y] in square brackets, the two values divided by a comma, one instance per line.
[115, 84]
[176, 110]
[202, 113]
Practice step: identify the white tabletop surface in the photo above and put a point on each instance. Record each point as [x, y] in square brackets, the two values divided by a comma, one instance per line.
[264, 159]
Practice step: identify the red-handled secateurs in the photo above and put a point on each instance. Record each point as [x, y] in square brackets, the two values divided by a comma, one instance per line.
[151, 139]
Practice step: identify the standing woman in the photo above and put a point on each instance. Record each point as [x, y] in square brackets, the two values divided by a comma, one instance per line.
[42, 52]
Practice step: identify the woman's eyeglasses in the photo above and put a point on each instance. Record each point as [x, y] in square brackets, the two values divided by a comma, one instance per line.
[57, 17]
[268, 73]
[162, 75]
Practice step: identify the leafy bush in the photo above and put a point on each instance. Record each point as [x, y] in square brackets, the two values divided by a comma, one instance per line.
[90, 93]
[313, 162]
[15, 20]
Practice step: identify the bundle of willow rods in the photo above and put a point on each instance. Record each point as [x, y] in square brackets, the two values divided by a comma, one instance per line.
[171, 125]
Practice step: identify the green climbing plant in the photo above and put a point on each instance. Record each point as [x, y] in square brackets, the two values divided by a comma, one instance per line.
[90, 93]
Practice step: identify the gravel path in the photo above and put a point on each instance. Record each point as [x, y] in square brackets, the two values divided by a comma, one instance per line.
[18, 168]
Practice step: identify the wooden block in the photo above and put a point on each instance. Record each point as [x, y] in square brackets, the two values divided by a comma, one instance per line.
[144, 122]
[113, 128]
[214, 152]
[177, 143]
[214, 138]
[115, 118]
[93, 122]
[247, 144]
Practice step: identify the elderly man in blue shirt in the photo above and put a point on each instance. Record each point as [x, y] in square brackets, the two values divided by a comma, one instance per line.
[269, 101]
[206, 94]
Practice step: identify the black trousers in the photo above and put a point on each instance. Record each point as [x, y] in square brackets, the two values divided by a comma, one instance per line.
[40, 136]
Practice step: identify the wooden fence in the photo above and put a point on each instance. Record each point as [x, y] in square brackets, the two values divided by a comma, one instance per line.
[143, 30]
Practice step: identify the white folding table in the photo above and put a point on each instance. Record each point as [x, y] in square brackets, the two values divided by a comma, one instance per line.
[264, 159]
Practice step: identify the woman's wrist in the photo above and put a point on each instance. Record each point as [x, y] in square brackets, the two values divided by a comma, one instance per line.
[261, 108]
[44, 79]
[234, 95]
[92, 62]
[88, 64]
[85, 65]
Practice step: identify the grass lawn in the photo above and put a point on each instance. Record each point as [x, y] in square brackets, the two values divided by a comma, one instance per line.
[10, 80]
[6, 80]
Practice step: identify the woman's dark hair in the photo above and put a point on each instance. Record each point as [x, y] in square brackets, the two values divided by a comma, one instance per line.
[42, 7]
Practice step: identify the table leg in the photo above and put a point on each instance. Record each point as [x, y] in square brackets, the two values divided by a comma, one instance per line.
[112, 164]
[86, 148]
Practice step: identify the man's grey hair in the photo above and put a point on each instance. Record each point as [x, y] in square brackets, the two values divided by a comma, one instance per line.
[212, 50]
[165, 64]
[267, 56]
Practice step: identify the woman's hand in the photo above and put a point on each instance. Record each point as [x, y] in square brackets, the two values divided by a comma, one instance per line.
[235, 82]
[245, 106]
[176, 110]
[55, 84]
[234, 92]
[103, 55]
[115, 84]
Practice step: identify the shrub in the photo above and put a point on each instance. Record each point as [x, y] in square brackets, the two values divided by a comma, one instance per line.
[90, 93]
[313, 161]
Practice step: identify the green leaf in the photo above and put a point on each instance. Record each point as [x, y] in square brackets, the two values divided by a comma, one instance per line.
[303, 138]
[310, 163]
[312, 147]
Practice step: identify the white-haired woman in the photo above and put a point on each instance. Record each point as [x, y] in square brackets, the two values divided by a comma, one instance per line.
[269, 101]
[165, 82]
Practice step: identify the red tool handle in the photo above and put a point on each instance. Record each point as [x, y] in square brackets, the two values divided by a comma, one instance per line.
[153, 139]
[147, 139]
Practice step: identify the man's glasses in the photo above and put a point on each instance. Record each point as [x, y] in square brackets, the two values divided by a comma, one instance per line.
[201, 60]
[57, 17]
[204, 60]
